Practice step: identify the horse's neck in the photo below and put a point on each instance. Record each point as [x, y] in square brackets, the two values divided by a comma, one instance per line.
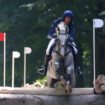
[58, 46]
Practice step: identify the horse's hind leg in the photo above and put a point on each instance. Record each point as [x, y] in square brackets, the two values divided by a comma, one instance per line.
[51, 82]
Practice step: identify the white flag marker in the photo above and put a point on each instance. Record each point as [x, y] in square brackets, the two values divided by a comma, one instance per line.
[27, 50]
[15, 54]
[97, 23]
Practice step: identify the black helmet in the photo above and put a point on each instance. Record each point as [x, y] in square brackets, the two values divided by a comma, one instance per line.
[68, 13]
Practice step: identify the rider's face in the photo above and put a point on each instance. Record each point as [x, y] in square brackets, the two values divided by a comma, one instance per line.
[67, 20]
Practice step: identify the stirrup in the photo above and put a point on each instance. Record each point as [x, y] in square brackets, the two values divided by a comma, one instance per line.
[41, 71]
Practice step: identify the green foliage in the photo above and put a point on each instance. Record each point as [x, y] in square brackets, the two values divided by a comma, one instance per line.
[41, 81]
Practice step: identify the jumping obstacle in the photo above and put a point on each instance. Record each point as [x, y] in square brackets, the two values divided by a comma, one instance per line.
[49, 96]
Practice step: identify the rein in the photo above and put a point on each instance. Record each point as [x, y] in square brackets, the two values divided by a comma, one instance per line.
[61, 46]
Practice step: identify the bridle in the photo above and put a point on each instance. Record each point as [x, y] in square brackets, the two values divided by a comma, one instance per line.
[60, 47]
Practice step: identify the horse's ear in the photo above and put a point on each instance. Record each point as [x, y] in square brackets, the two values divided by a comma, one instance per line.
[67, 29]
[57, 30]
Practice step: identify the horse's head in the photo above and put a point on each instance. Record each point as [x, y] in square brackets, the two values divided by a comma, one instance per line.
[62, 33]
[62, 36]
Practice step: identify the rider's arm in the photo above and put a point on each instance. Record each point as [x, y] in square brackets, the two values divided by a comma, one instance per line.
[52, 30]
[72, 33]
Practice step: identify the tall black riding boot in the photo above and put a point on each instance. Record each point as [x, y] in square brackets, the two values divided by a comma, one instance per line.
[43, 70]
[47, 59]
[75, 61]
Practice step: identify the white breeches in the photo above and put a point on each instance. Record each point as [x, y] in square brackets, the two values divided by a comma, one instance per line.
[52, 41]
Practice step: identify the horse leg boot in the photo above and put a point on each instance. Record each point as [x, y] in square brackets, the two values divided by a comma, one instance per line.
[43, 70]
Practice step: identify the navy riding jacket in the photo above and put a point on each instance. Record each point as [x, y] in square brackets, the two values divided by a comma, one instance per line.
[52, 30]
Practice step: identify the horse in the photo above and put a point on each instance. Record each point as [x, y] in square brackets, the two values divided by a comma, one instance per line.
[61, 66]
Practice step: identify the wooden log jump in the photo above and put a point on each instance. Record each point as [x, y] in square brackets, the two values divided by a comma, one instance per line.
[49, 96]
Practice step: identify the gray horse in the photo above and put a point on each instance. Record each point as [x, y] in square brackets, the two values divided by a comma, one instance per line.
[61, 66]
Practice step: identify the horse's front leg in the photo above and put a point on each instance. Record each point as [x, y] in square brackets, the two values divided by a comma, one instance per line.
[71, 75]
[59, 71]
[68, 87]
[51, 82]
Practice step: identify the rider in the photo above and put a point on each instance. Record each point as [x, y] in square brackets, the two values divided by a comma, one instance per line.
[68, 20]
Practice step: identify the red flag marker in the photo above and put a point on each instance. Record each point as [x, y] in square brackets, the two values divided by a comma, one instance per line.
[2, 37]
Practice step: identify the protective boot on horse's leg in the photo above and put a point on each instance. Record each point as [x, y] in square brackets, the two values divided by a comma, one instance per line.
[49, 50]
[68, 87]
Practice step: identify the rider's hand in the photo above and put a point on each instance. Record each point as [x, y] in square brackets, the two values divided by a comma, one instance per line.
[71, 39]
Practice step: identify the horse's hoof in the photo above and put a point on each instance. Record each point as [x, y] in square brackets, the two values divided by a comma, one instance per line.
[68, 91]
